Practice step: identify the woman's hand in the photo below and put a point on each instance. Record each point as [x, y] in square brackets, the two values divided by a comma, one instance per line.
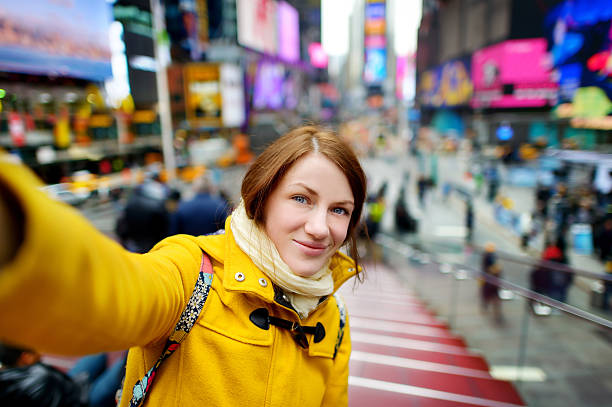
[11, 226]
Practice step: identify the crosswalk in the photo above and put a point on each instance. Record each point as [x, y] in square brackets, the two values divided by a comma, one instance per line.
[404, 356]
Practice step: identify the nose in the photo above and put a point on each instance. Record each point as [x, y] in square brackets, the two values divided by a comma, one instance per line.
[316, 224]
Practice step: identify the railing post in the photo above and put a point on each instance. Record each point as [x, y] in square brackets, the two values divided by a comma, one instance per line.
[453, 297]
[523, 343]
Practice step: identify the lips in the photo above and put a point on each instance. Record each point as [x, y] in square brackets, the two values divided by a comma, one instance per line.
[310, 248]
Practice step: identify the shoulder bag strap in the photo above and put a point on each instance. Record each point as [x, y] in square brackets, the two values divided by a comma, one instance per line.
[342, 311]
[188, 318]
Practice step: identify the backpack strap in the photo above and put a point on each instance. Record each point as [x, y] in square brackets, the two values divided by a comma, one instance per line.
[181, 330]
[342, 311]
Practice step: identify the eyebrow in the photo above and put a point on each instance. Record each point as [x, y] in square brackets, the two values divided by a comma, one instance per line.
[313, 192]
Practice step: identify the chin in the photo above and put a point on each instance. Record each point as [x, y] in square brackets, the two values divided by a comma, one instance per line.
[305, 272]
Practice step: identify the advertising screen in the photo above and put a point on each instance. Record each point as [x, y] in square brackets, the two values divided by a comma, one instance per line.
[275, 87]
[447, 85]
[501, 80]
[288, 32]
[202, 94]
[268, 86]
[257, 25]
[59, 38]
[232, 95]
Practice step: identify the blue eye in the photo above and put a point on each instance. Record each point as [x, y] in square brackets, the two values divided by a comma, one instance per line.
[340, 211]
[299, 199]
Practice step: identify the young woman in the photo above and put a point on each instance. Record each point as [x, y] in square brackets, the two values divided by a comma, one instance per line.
[271, 330]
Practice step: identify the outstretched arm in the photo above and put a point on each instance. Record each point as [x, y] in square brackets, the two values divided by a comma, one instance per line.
[11, 225]
[67, 288]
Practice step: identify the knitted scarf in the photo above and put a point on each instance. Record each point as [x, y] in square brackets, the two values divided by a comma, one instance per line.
[303, 292]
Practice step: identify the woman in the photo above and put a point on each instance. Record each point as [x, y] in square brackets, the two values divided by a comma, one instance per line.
[72, 290]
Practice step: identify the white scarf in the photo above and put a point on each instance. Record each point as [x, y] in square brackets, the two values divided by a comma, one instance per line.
[303, 292]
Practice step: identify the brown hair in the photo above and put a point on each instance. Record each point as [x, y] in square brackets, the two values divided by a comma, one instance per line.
[273, 163]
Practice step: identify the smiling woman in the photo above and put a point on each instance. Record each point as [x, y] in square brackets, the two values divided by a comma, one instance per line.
[267, 306]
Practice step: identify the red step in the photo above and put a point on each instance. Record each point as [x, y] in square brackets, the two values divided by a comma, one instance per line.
[482, 387]
[466, 360]
[404, 396]
[403, 355]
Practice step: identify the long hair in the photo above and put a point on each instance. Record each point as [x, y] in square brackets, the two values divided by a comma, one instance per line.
[273, 163]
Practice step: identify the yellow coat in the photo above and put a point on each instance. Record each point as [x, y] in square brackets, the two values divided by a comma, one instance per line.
[71, 290]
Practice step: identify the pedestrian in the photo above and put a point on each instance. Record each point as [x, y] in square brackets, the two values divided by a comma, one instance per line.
[469, 221]
[603, 241]
[541, 275]
[422, 189]
[145, 219]
[26, 381]
[272, 330]
[489, 290]
[205, 213]
[607, 293]
[404, 222]
[526, 229]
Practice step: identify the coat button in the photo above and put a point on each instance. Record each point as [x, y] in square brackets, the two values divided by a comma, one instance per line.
[263, 282]
[239, 276]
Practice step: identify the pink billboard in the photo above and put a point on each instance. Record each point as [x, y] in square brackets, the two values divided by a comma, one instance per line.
[514, 73]
[288, 32]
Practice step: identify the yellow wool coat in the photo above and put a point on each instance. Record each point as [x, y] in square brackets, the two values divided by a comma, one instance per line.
[71, 290]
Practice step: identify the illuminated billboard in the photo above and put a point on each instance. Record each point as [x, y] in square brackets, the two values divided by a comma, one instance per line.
[58, 38]
[375, 47]
[288, 32]
[257, 25]
[513, 73]
[446, 85]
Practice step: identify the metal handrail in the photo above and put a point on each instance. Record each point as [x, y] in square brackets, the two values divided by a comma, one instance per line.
[528, 261]
[520, 290]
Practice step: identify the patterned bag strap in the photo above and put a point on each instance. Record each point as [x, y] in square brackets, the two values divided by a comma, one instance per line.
[188, 318]
[342, 311]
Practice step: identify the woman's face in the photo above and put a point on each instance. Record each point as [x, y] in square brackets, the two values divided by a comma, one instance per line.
[307, 216]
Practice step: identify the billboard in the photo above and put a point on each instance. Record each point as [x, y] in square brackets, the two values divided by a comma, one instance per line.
[446, 85]
[257, 25]
[214, 95]
[513, 73]
[375, 47]
[59, 38]
[579, 34]
[275, 87]
[288, 32]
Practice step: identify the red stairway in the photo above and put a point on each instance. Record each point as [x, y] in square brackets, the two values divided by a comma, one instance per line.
[404, 356]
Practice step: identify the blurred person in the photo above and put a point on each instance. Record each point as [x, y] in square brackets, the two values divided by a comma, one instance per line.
[204, 214]
[607, 293]
[489, 292]
[272, 323]
[375, 209]
[27, 382]
[560, 209]
[403, 220]
[493, 182]
[540, 276]
[145, 219]
[422, 184]
[603, 240]
[526, 229]
[469, 221]
[542, 196]
[100, 381]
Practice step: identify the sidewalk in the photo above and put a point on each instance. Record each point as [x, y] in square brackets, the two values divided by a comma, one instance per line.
[523, 201]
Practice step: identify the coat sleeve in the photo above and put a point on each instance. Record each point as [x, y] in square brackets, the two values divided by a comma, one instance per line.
[336, 393]
[72, 290]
